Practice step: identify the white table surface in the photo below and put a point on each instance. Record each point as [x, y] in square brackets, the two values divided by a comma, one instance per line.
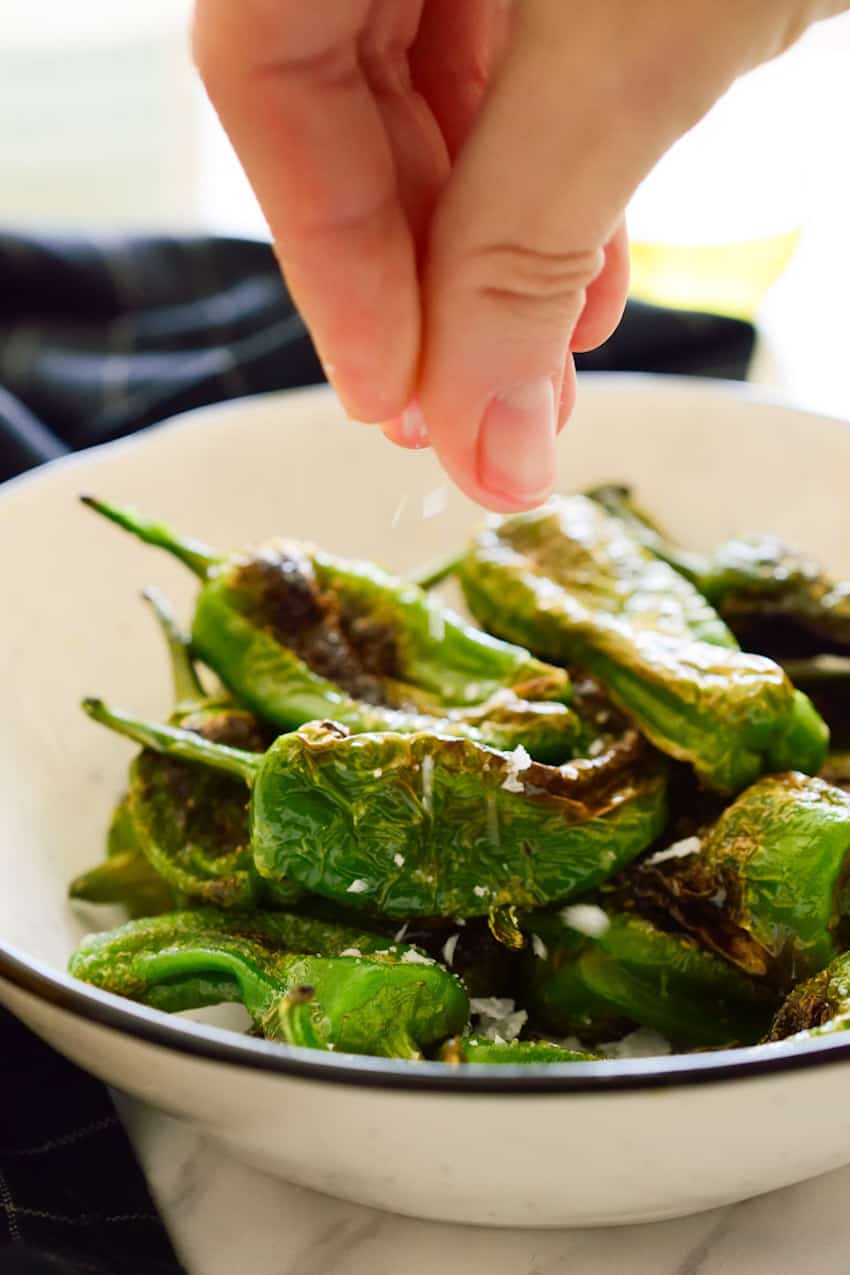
[224, 1217]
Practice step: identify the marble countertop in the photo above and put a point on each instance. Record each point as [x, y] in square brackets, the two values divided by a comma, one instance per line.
[224, 1217]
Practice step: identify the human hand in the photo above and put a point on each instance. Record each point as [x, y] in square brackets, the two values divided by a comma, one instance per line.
[445, 182]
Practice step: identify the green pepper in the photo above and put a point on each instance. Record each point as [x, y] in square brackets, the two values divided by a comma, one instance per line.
[816, 1003]
[573, 583]
[631, 972]
[826, 680]
[299, 635]
[478, 1049]
[427, 825]
[391, 1001]
[767, 886]
[775, 599]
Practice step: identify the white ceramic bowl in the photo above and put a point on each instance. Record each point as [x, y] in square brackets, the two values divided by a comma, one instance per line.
[611, 1142]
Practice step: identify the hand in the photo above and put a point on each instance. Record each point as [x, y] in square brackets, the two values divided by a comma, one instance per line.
[445, 182]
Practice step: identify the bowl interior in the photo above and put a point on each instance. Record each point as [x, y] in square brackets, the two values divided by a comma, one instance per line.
[707, 459]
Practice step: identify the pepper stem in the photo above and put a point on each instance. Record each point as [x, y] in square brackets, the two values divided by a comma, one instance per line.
[436, 571]
[174, 742]
[198, 557]
[187, 684]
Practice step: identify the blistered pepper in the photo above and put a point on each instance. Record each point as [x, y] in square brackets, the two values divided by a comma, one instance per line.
[391, 1001]
[478, 1049]
[427, 825]
[300, 635]
[631, 972]
[775, 598]
[573, 583]
[188, 823]
[767, 887]
[816, 1003]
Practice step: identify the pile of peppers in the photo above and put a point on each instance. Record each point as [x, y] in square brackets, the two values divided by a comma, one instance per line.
[609, 814]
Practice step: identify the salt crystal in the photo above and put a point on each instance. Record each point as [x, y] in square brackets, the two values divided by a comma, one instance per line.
[538, 947]
[449, 949]
[400, 935]
[678, 850]
[585, 918]
[480, 891]
[518, 760]
[412, 957]
[358, 887]
[398, 860]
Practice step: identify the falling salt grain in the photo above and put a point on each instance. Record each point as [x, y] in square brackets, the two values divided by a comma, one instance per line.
[399, 510]
[538, 947]
[585, 918]
[377, 773]
[428, 784]
[498, 1019]
[399, 937]
[597, 747]
[358, 887]
[480, 891]
[398, 860]
[449, 949]
[678, 850]
[435, 502]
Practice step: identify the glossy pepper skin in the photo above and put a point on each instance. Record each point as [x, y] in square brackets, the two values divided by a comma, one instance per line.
[768, 886]
[300, 635]
[635, 973]
[425, 825]
[775, 599]
[191, 824]
[392, 1002]
[514, 1053]
[818, 1002]
[574, 584]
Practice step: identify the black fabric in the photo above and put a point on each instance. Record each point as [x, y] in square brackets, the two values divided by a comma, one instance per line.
[73, 1200]
[97, 340]
[100, 338]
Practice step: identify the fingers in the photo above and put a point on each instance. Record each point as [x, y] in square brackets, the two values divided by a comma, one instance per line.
[526, 259]
[292, 92]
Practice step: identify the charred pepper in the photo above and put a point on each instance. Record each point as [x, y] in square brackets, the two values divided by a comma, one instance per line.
[572, 582]
[427, 825]
[391, 1001]
[631, 972]
[300, 635]
[478, 1049]
[767, 887]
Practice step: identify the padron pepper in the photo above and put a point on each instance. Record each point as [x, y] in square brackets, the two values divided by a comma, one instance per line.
[776, 599]
[300, 635]
[428, 825]
[190, 824]
[510, 1053]
[573, 583]
[768, 887]
[817, 1003]
[628, 971]
[391, 1001]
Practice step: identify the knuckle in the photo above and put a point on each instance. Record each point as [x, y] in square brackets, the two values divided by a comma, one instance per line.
[521, 276]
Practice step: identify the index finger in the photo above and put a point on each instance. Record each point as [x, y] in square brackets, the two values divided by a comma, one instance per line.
[287, 84]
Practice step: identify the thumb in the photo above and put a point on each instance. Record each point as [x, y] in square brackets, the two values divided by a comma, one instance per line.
[571, 125]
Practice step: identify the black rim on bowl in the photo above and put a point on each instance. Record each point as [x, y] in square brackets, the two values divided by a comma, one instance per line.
[219, 1045]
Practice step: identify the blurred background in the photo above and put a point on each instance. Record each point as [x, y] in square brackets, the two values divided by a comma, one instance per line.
[103, 126]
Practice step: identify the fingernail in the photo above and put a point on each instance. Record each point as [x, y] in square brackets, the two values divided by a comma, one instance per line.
[414, 431]
[516, 444]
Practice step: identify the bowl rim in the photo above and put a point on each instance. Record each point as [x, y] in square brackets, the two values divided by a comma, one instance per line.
[63, 992]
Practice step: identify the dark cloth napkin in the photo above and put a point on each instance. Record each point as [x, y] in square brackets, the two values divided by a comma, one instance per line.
[97, 340]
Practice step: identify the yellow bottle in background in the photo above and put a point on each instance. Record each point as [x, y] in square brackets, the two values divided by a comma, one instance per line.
[724, 278]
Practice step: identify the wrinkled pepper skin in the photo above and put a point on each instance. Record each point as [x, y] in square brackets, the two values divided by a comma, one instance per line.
[572, 583]
[768, 887]
[392, 1001]
[299, 635]
[514, 1053]
[635, 973]
[817, 1002]
[424, 825]
[775, 599]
